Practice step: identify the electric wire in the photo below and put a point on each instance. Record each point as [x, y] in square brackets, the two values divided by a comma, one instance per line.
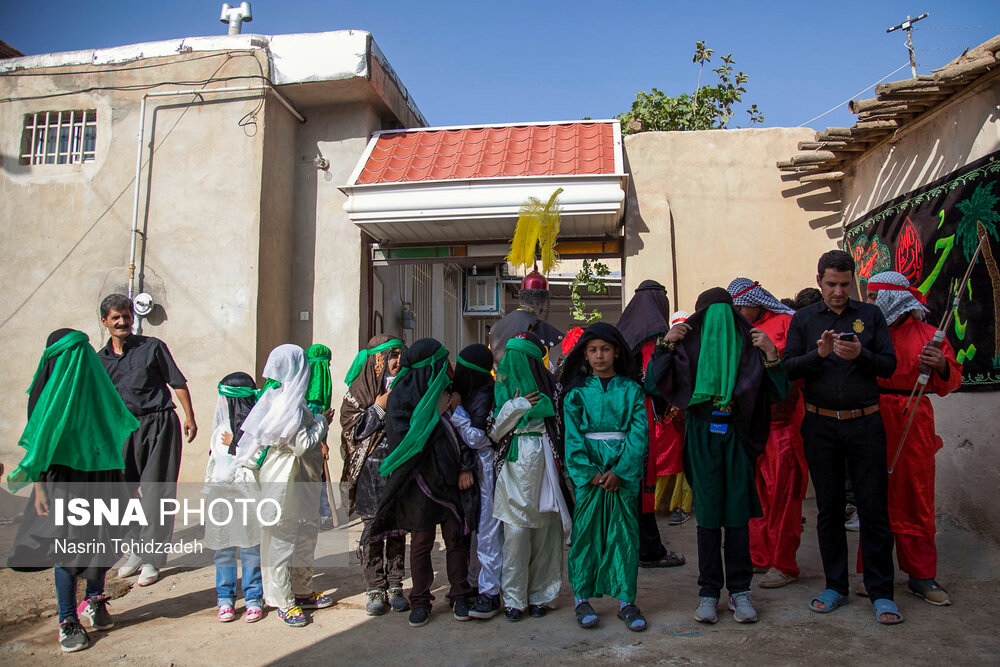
[855, 95]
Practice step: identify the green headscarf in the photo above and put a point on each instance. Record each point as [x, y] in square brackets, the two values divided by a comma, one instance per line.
[359, 361]
[79, 420]
[514, 374]
[716, 374]
[320, 387]
[425, 416]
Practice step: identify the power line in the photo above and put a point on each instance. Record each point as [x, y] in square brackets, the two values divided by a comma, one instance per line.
[855, 95]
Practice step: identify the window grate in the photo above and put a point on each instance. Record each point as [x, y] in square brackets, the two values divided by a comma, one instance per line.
[59, 137]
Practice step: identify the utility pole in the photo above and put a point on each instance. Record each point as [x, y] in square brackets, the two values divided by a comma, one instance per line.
[907, 25]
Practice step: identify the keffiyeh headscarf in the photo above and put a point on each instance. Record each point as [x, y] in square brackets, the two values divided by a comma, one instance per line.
[746, 292]
[278, 414]
[678, 317]
[320, 384]
[895, 296]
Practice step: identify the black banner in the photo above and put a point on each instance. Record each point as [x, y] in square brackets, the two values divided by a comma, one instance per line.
[930, 235]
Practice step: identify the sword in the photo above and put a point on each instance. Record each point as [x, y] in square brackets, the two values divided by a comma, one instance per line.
[921, 384]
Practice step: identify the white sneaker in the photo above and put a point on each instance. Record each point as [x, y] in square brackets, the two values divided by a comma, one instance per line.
[148, 575]
[131, 566]
[853, 524]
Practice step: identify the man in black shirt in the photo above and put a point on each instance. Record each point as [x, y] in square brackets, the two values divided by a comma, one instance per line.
[838, 346]
[141, 369]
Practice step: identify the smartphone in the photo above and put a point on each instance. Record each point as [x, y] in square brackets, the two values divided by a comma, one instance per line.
[849, 337]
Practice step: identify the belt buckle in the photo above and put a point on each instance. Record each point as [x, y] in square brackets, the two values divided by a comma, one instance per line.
[838, 415]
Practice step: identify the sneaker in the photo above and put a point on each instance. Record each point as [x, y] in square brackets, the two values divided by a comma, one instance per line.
[677, 517]
[537, 610]
[326, 522]
[94, 612]
[742, 608]
[851, 520]
[130, 567]
[487, 606]
[931, 591]
[148, 575]
[72, 636]
[313, 601]
[398, 601]
[376, 605]
[671, 559]
[775, 578]
[419, 617]
[706, 611]
[226, 614]
[461, 609]
[253, 614]
[513, 614]
[293, 616]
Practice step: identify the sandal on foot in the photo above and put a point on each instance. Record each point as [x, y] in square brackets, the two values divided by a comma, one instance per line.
[253, 614]
[884, 606]
[831, 598]
[671, 559]
[586, 617]
[634, 620]
[227, 613]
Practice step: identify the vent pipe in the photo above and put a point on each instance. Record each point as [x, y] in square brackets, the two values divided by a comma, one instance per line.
[236, 16]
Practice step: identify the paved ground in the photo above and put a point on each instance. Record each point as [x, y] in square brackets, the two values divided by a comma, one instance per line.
[173, 622]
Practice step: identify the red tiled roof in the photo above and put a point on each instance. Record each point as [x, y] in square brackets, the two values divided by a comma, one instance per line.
[491, 152]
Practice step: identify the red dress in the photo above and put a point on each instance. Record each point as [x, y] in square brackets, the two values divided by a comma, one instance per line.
[911, 484]
[782, 474]
[666, 440]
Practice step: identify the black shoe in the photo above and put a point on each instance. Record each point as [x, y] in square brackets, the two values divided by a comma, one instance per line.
[461, 609]
[513, 613]
[670, 559]
[537, 610]
[419, 616]
[398, 601]
[487, 606]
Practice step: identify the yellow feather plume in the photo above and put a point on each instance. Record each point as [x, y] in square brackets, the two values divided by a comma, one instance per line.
[537, 225]
[548, 233]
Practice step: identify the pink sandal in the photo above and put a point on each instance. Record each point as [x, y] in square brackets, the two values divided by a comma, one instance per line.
[253, 614]
[226, 614]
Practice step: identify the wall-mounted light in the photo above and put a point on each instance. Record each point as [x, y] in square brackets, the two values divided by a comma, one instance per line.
[143, 304]
[406, 318]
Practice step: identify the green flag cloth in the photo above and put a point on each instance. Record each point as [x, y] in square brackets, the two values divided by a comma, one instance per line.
[514, 374]
[359, 361]
[79, 420]
[237, 392]
[719, 358]
[320, 387]
[425, 416]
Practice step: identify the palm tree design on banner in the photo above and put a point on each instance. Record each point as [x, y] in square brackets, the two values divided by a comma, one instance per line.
[979, 216]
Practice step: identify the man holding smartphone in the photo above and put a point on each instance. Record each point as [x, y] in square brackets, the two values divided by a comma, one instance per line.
[839, 346]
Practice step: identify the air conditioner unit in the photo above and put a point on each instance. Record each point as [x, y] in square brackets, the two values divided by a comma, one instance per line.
[483, 294]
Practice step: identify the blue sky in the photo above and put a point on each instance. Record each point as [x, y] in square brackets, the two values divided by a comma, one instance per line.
[469, 62]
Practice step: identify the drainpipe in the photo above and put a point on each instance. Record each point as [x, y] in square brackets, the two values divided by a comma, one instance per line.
[264, 88]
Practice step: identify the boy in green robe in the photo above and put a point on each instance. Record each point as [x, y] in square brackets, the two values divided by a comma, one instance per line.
[606, 436]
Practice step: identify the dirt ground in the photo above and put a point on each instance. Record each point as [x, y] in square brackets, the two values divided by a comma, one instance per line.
[173, 622]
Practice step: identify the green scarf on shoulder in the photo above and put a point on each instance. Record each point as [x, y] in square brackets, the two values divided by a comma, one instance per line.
[719, 358]
[514, 376]
[79, 420]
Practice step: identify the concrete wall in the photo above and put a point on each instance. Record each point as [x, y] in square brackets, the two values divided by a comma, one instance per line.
[968, 467]
[65, 229]
[706, 207]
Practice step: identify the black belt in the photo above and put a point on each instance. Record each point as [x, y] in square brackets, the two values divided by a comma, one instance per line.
[894, 392]
[842, 414]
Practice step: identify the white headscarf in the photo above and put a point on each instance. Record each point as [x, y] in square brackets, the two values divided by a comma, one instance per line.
[679, 316]
[894, 303]
[747, 292]
[280, 411]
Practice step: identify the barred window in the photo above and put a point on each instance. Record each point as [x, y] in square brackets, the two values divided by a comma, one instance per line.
[59, 137]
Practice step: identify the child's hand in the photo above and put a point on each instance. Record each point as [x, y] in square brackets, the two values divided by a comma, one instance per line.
[41, 500]
[382, 399]
[325, 448]
[227, 438]
[598, 479]
[444, 402]
[465, 480]
[533, 398]
[610, 481]
[456, 400]
[329, 415]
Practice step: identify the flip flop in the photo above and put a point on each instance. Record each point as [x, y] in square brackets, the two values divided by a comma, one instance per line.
[831, 598]
[884, 606]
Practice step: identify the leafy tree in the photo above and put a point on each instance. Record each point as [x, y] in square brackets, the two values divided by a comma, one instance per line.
[589, 278]
[708, 108]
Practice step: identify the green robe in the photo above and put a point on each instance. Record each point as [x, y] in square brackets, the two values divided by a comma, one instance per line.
[718, 467]
[604, 556]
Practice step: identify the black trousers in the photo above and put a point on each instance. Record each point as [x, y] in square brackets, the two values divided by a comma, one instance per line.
[383, 562]
[456, 562]
[650, 545]
[829, 443]
[152, 462]
[738, 568]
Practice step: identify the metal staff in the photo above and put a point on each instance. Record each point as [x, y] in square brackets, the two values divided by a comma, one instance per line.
[921, 384]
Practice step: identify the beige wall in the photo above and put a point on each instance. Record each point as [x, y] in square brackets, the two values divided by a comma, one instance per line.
[709, 206]
[968, 467]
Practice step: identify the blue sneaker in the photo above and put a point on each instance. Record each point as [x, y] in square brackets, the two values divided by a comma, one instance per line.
[314, 601]
[293, 616]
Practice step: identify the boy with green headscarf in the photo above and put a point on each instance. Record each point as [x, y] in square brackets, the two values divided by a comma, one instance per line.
[708, 366]
[318, 396]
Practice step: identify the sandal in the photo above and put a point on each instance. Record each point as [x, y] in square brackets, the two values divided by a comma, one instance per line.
[253, 614]
[884, 606]
[671, 559]
[226, 613]
[634, 620]
[831, 598]
[586, 617]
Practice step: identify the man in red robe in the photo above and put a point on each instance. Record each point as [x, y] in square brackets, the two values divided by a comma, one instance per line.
[782, 474]
[911, 484]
